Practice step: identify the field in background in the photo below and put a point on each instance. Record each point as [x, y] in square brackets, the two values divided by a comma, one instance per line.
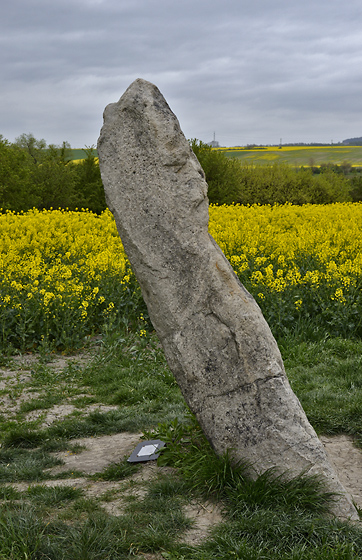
[298, 155]
[78, 153]
[293, 155]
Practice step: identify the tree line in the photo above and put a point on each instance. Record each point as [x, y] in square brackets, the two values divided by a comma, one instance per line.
[36, 175]
[233, 181]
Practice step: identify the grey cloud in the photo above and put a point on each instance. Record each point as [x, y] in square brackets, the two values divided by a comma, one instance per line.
[237, 67]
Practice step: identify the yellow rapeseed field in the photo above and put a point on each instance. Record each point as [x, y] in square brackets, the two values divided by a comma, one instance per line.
[283, 246]
[64, 275]
[56, 274]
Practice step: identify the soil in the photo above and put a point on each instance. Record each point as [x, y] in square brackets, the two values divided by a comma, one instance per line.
[99, 452]
[347, 461]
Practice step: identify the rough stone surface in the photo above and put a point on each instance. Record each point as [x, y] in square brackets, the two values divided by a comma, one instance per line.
[215, 338]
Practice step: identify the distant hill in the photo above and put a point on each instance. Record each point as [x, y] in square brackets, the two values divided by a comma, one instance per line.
[80, 153]
[353, 141]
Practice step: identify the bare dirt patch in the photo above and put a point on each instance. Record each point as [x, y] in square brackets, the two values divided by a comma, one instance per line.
[102, 451]
[98, 454]
[347, 461]
[206, 515]
[15, 387]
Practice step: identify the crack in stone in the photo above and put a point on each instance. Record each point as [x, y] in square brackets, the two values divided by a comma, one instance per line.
[244, 387]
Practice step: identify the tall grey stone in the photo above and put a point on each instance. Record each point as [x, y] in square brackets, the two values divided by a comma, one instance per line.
[215, 338]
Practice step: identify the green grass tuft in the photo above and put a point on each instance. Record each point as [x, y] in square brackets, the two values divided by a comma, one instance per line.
[117, 471]
[23, 465]
[54, 496]
[23, 437]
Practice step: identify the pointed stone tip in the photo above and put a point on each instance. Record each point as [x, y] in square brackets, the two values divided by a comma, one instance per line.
[142, 81]
[137, 118]
[142, 97]
[141, 85]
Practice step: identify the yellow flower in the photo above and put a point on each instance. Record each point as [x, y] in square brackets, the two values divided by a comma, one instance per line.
[55, 258]
[338, 296]
[48, 296]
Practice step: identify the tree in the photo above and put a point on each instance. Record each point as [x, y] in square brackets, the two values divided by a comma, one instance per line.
[35, 148]
[88, 188]
[16, 191]
[222, 173]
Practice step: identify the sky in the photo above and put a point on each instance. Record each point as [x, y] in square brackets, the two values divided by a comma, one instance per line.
[246, 71]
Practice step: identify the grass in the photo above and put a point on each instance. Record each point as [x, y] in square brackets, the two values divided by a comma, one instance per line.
[55, 496]
[268, 517]
[267, 534]
[25, 465]
[118, 471]
[327, 377]
[130, 374]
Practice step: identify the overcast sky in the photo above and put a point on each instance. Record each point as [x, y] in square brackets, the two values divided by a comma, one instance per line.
[252, 71]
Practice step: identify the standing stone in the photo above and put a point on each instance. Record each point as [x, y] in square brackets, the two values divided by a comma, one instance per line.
[216, 340]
